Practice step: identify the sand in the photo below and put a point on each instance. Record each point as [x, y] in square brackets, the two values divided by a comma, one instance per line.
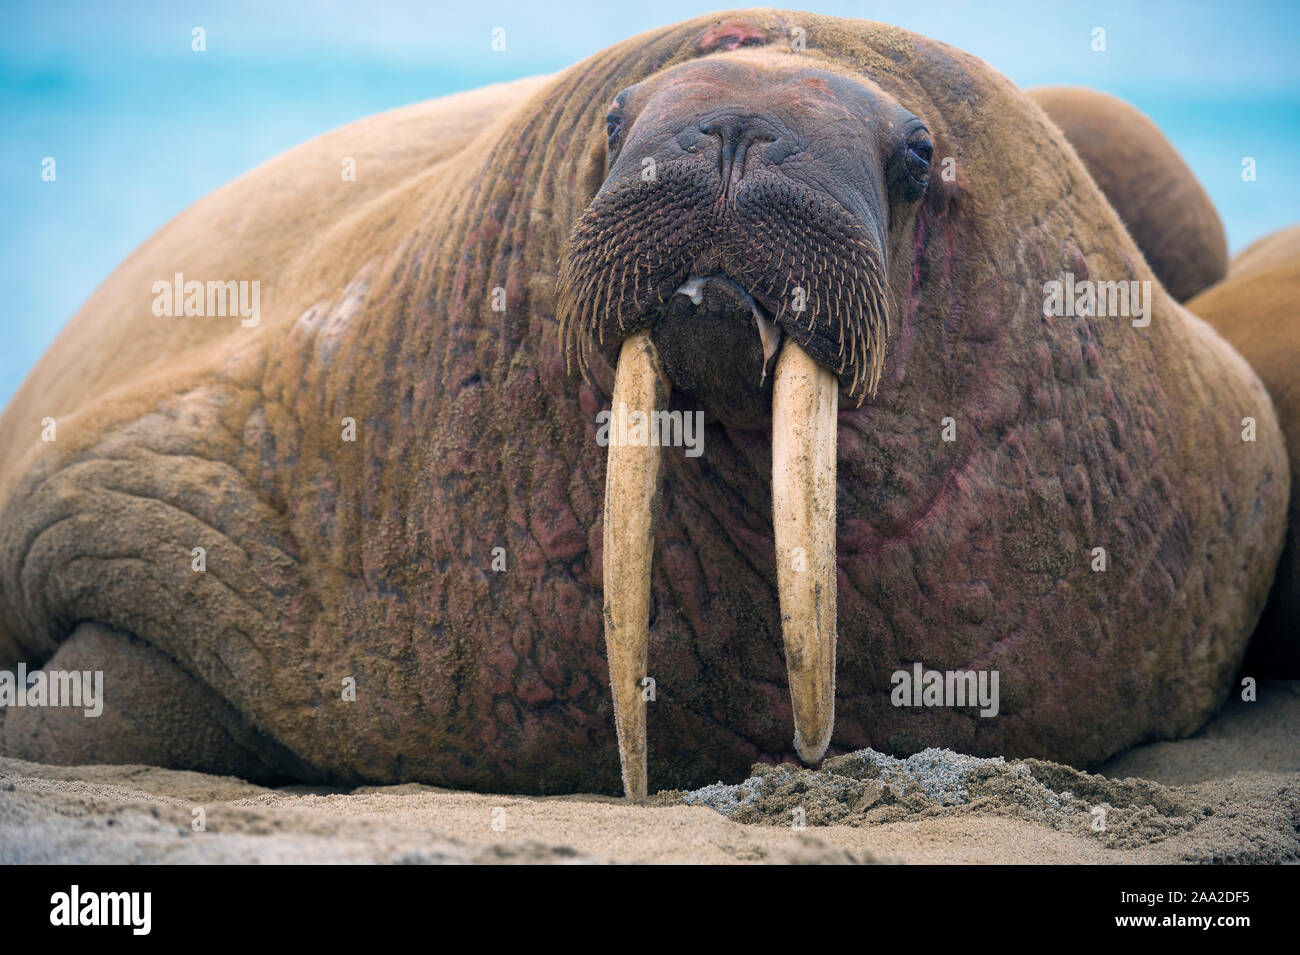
[1229, 794]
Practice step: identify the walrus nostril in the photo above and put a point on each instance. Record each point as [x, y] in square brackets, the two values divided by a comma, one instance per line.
[736, 130]
[735, 135]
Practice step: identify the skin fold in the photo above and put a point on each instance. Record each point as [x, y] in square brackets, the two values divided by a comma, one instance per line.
[449, 560]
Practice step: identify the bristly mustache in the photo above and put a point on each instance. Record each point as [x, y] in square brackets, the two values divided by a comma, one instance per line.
[636, 244]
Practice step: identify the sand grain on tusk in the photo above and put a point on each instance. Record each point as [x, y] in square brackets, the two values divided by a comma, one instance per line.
[631, 488]
[805, 403]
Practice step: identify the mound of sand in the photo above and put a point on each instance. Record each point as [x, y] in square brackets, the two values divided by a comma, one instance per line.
[1229, 794]
[1246, 818]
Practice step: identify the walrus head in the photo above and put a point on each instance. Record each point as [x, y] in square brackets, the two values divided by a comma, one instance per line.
[736, 254]
[748, 199]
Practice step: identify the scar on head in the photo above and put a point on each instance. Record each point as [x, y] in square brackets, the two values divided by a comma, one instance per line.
[730, 34]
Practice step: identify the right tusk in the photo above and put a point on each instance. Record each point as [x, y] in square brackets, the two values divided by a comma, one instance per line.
[631, 489]
[805, 402]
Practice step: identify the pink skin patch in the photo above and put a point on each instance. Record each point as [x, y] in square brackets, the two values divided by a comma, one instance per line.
[730, 34]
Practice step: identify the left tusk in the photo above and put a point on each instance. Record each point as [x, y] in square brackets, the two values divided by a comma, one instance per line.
[805, 403]
[631, 489]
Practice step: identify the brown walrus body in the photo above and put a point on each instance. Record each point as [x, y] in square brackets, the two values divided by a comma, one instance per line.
[1165, 208]
[1255, 309]
[447, 562]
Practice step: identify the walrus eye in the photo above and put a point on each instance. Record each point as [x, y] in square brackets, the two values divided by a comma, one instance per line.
[915, 164]
[918, 159]
[614, 135]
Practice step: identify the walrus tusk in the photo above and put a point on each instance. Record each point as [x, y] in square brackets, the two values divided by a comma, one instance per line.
[631, 486]
[804, 407]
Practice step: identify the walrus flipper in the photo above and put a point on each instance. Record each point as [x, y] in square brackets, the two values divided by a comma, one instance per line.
[139, 562]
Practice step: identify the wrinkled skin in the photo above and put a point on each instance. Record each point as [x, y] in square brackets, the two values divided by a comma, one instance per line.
[373, 560]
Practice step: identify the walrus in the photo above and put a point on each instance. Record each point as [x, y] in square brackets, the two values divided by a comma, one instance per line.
[1159, 198]
[1254, 308]
[1278, 248]
[407, 522]
[1248, 300]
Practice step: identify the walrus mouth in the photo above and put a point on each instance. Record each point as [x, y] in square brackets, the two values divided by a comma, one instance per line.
[769, 332]
[804, 413]
[815, 270]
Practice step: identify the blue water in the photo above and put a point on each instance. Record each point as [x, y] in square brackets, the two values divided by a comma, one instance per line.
[140, 125]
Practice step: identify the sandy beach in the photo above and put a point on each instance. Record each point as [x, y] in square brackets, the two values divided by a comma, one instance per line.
[1229, 794]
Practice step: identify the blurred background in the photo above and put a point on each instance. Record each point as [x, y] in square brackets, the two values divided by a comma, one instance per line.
[140, 125]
